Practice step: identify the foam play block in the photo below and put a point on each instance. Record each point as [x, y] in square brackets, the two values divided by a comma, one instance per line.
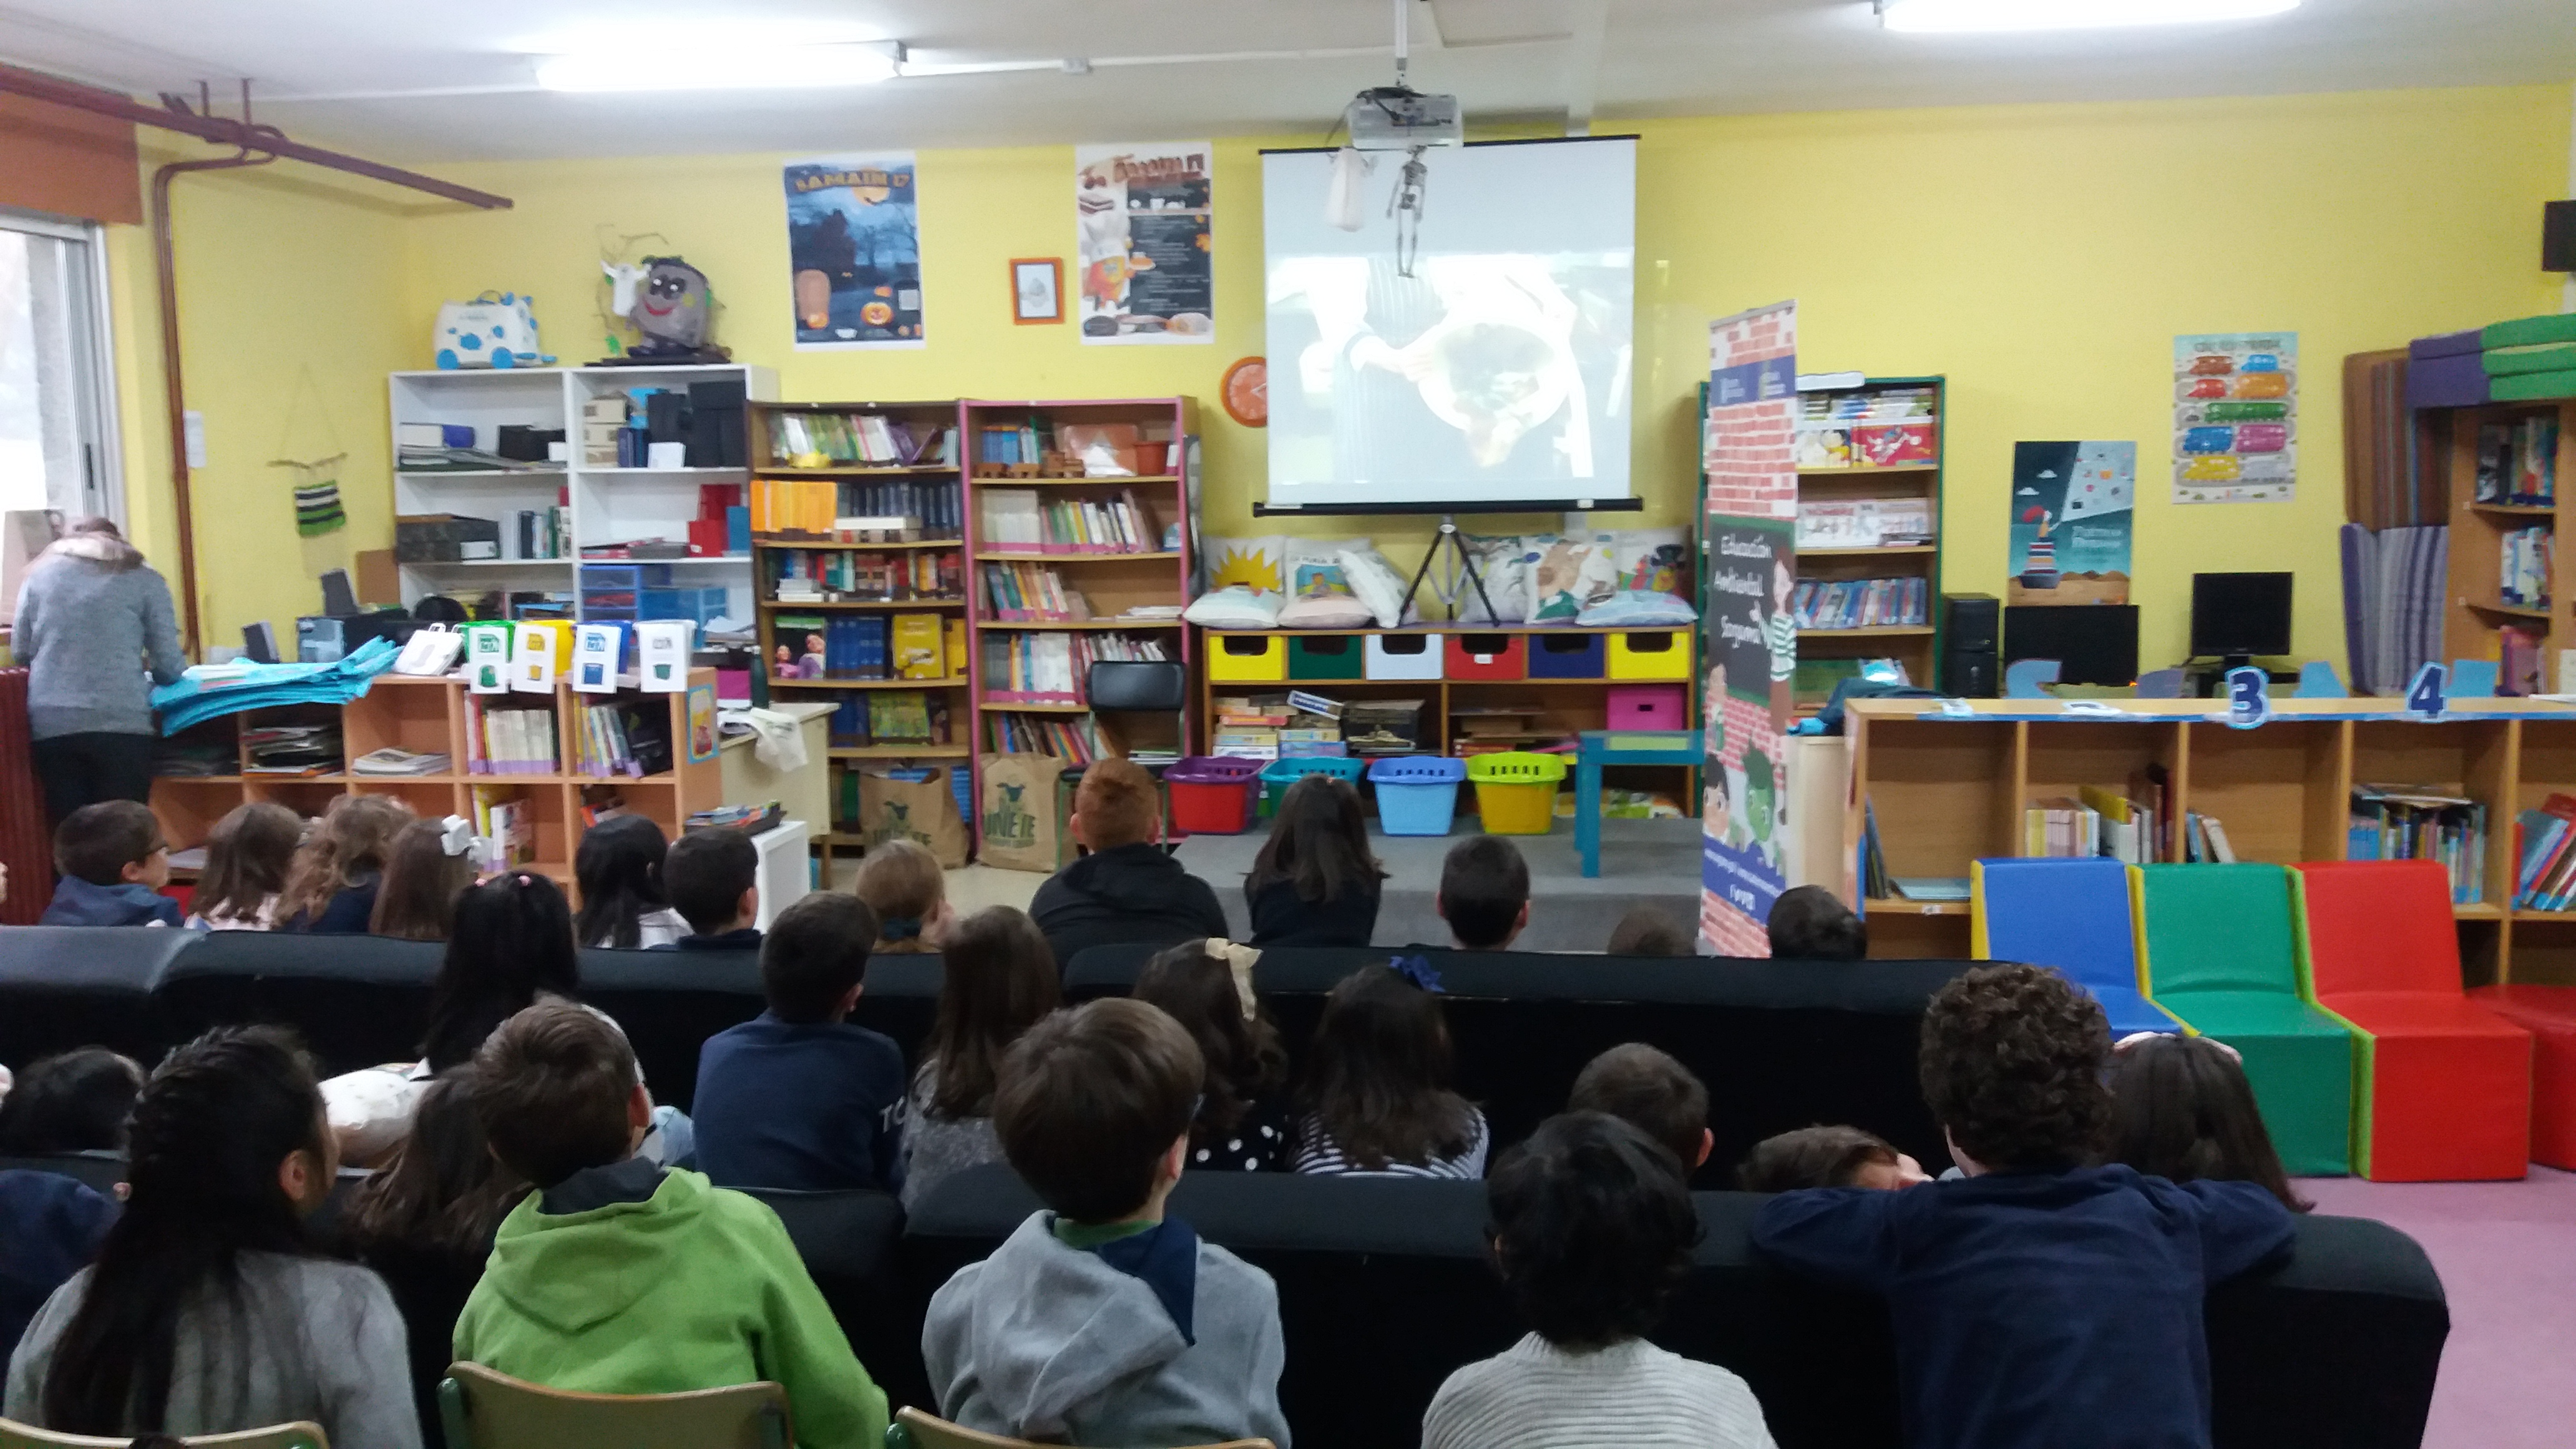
[2446, 382]
[2549, 1014]
[2529, 331]
[2532, 386]
[2445, 344]
[2441, 1084]
[2218, 948]
[2070, 914]
[2557, 357]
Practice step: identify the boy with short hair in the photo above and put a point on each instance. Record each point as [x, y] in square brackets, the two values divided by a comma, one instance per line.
[620, 1277]
[113, 863]
[1101, 1320]
[798, 1098]
[1811, 923]
[2038, 1302]
[713, 879]
[1652, 1092]
[1484, 893]
[1827, 1157]
[1128, 888]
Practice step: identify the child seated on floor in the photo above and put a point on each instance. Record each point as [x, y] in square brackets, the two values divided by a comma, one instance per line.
[1826, 1157]
[113, 863]
[1484, 893]
[713, 880]
[1101, 1320]
[1315, 881]
[1592, 1232]
[903, 884]
[1647, 931]
[2038, 1302]
[797, 1097]
[2182, 1110]
[1810, 923]
[1377, 1098]
[1651, 1092]
[617, 1276]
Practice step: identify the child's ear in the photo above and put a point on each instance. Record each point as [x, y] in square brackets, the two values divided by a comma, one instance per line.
[1521, 921]
[748, 908]
[133, 870]
[1073, 823]
[850, 998]
[1707, 1142]
[1440, 905]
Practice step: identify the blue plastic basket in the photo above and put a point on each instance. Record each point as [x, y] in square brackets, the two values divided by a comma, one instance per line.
[1278, 775]
[1417, 794]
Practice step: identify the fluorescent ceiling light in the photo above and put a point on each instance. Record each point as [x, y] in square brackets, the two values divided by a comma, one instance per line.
[1961, 15]
[679, 65]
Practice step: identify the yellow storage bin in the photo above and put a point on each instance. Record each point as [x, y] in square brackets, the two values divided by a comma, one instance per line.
[1516, 790]
[1247, 658]
[1650, 654]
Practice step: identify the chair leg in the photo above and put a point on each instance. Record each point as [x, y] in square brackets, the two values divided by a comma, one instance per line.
[451, 1414]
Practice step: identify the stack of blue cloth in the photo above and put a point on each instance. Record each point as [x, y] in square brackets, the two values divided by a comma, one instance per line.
[210, 690]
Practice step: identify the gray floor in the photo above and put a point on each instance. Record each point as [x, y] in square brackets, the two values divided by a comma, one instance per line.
[1643, 862]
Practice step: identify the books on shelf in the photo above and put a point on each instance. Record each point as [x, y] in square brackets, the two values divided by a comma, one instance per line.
[1860, 603]
[826, 575]
[291, 749]
[890, 717]
[2125, 826]
[2518, 654]
[1052, 668]
[509, 741]
[2545, 856]
[1876, 427]
[1864, 522]
[2523, 574]
[1031, 592]
[2517, 462]
[863, 646]
[929, 509]
[508, 828]
[1074, 739]
[824, 440]
[2418, 822]
[623, 737]
[1019, 520]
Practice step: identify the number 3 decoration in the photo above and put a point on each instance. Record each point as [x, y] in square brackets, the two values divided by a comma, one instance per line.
[2248, 703]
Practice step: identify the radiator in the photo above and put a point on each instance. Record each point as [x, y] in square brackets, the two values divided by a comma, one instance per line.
[26, 846]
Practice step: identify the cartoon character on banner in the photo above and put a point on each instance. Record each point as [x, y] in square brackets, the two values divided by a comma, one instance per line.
[670, 304]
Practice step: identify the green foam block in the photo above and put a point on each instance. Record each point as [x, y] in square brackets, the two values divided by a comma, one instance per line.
[2559, 358]
[2533, 386]
[2529, 331]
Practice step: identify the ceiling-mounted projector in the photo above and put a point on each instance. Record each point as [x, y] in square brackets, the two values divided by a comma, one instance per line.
[1399, 118]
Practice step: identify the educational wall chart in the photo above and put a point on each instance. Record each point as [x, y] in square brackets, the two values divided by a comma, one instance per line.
[2071, 507]
[2236, 417]
[1753, 643]
[854, 251]
[1145, 243]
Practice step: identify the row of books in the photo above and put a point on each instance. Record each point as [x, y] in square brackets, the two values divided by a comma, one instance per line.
[1074, 739]
[312, 749]
[1004, 443]
[929, 507]
[1868, 404]
[1052, 668]
[1861, 603]
[2518, 656]
[2523, 580]
[1864, 522]
[508, 827]
[2518, 461]
[510, 741]
[623, 737]
[2414, 822]
[890, 717]
[846, 439]
[2544, 845]
[2102, 821]
[1029, 591]
[868, 646]
[1017, 520]
[818, 575]
[543, 532]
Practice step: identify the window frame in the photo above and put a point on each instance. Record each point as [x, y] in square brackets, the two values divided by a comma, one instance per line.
[93, 341]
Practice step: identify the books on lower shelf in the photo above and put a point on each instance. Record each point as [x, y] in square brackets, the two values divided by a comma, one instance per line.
[1051, 668]
[2518, 462]
[817, 440]
[1018, 520]
[2544, 846]
[509, 741]
[1864, 522]
[1074, 739]
[2522, 579]
[2518, 660]
[291, 749]
[2421, 822]
[1860, 603]
[2125, 826]
[891, 717]
[916, 508]
[1031, 592]
[868, 646]
[508, 829]
[623, 737]
[831, 575]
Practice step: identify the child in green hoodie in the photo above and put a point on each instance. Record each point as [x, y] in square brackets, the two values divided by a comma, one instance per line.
[621, 1277]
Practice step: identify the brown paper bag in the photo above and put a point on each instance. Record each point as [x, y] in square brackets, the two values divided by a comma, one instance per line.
[1022, 830]
[919, 805]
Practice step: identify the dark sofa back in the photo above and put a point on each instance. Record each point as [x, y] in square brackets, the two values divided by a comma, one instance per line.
[68, 986]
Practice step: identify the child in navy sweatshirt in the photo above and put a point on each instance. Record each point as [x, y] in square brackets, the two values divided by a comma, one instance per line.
[2038, 1302]
[113, 863]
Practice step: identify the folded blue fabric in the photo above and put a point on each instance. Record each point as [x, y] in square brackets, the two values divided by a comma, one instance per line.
[193, 701]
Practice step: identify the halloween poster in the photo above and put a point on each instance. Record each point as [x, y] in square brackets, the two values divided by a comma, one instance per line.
[2071, 505]
[854, 251]
[2236, 417]
[1145, 239]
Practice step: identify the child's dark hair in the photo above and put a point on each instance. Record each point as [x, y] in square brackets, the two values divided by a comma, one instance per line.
[2012, 1063]
[442, 1192]
[1810, 923]
[1647, 931]
[1812, 1157]
[2181, 1109]
[347, 843]
[207, 1136]
[417, 899]
[705, 875]
[1483, 886]
[1245, 1061]
[247, 856]
[97, 842]
[999, 979]
[512, 941]
[618, 866]
[75, 1101]
[1592, 1230]
[1377, 1075]
[1650, 1091]
[814, 953]
[1089, 1101]
[551, 1088]
[1318, 843]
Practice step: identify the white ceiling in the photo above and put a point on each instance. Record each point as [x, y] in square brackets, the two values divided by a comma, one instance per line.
[450, 81]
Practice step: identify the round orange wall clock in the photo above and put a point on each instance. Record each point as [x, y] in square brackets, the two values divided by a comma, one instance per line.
[1247, 392]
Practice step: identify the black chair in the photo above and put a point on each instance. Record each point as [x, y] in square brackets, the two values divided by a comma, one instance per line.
[901, 998]
[68, 986]
[669, 1003]
[851, 1242]
[358, 1001]
[97, 1173]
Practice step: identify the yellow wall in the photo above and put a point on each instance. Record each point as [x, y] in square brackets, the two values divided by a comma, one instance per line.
[2042, 257]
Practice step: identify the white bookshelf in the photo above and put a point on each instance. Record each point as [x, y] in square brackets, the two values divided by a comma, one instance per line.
[609, 505]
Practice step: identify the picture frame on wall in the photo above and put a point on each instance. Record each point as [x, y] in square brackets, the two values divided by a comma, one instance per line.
[1037, 290]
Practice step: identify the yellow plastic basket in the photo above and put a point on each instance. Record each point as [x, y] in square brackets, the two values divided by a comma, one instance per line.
[1516, 790]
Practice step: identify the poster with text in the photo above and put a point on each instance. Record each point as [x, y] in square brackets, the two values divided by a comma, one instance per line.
[1145, 243]
[2071, 504]
[1752, 641]
[854, 251]
[2236, 417]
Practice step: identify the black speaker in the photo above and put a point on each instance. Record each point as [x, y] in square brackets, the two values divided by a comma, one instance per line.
[1970, 621]
[1971, 673]
[2558, 236]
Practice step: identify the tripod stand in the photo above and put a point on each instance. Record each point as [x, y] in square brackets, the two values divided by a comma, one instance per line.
[1448, 535]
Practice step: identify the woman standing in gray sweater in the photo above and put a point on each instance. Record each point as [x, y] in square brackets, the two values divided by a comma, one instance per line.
[92, 619]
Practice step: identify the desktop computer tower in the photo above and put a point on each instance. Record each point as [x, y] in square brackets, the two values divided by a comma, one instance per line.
[1971, 642]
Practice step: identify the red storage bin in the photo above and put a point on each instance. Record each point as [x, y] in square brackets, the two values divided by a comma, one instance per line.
[1488, 656]
[1213, 795]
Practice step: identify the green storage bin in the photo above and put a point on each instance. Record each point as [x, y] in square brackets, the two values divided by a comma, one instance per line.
[1325, 657]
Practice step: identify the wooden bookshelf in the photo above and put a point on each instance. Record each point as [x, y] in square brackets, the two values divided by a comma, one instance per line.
[1948, 790]
[2475, 615]
[1916, 646]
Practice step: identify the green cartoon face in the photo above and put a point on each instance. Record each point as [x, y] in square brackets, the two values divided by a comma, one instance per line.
[1760, 794]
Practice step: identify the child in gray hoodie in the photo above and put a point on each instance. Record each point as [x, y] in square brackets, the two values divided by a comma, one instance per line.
[1101, 1321]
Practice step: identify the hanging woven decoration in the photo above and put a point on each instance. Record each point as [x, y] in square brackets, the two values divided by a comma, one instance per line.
[317, 494]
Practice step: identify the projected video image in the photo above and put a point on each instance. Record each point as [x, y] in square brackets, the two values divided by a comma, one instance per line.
[1497, 371]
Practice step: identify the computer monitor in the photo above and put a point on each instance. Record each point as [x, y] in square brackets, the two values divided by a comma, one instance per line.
[2092, 643]
[2235, 617]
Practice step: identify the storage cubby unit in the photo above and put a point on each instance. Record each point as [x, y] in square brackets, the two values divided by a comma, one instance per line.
[1853, 484]
[2476, 611]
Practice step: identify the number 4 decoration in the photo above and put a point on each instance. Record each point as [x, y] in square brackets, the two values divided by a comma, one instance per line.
[2424, 695]
[2248, 703]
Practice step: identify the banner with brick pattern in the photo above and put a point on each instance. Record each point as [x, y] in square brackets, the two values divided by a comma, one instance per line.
[1751, 530]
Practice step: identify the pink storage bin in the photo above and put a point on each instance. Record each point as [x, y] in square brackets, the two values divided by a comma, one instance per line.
[1645, 707]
